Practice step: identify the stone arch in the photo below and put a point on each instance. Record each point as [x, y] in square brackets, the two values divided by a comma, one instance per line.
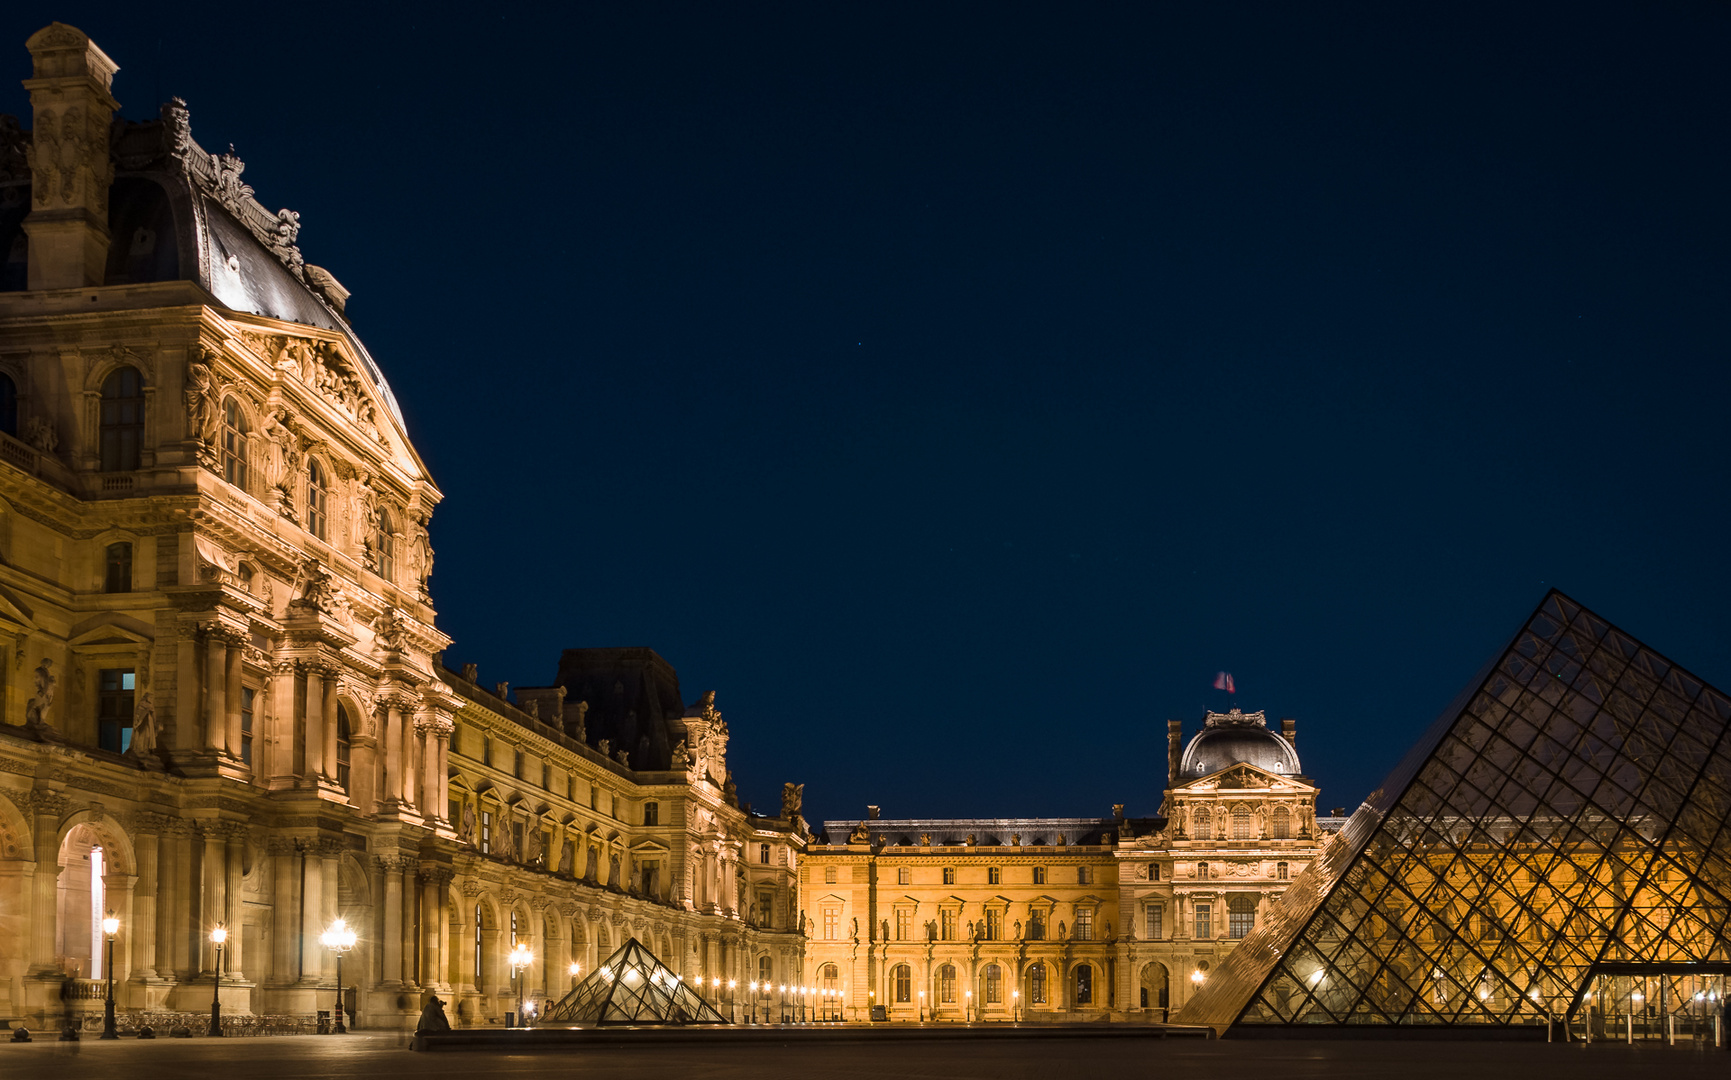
[95, 859]
[1074, 981]
[1155, 987]
[14, 834]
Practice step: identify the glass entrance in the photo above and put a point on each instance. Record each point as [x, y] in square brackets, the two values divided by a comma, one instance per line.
[1662, 1006]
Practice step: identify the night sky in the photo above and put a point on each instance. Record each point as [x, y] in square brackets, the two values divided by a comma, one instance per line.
[955, 389]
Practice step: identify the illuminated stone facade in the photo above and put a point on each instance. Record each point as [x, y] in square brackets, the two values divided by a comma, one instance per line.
[224, 703]
[1063, 918]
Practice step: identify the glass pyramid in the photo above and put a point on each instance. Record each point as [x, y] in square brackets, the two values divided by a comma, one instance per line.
[632, 987]
[1563, 823]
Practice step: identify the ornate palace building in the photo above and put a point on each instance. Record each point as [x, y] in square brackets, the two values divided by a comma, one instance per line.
[1064, 918]
[224, 704]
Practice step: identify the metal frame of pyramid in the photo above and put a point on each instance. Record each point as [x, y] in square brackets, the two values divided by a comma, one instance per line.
[1564, 820]
[632, 987]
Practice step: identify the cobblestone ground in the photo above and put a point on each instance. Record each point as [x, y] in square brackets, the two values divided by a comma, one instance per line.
[380, 1057]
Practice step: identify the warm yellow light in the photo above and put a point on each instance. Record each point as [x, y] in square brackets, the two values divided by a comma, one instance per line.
[111, 924]
[731, 983]
[575, 969]
[754, 986]
[1197, 977]
[1015, 993]
[218, 934]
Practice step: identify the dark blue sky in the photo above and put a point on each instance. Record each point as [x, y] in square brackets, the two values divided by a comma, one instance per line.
[955, 391]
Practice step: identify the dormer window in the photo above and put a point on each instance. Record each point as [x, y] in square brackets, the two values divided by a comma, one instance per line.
[317, 499]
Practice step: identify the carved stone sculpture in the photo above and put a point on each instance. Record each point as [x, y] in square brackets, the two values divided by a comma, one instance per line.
[532, 846]
[39, 432]
[680, 757]
[566, 857]
[466, 830]
[36, 711]
[143, 743]
[590, 867]
[315, 592]
[792, 799]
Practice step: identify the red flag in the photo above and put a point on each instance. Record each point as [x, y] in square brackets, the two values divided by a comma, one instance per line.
[1223, 681]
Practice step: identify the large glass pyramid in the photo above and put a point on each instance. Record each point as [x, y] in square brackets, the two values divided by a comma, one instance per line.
[632, 987]
[1562, 824]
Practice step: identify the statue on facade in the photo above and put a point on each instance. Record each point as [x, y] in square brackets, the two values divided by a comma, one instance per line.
[315, 591]
[590, 867]
[421, 552]
[792, 799]
[606, 747]
[466, 830]
[39, 432]
[36, 711]
[143, 745]
[566, 857]
[860, 834]
[612, 870]
[679, 759]
[580, 728]
[506, 848]
[532, 846]
[200, 397]
[729, 790]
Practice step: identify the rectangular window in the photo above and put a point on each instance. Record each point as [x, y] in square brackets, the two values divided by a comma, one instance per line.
[651, 813]
[486, 831]
[904, 923]
[763, 854]
[1039, 875]
[1081, 875]
[114, 710]
[247, 694]
[516, 839]
[1155, 921]
[455, 810]
[949, 875]
[831, 923]
[1153, 871]
[994, 875]
[994, 924]
[1084, 924]
[829, 875]
[1204, 922]
[546, 777]
[118, 577]
[904, 875]
[1036, 925]
[946, 925]
[651, 878]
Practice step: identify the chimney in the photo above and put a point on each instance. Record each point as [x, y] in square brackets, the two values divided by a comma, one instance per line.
[70, 168]
[872, 813]
[1289, 731]
[1174, 749]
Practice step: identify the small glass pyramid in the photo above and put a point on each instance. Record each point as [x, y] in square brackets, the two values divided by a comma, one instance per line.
[632, 987]
[1562, 824]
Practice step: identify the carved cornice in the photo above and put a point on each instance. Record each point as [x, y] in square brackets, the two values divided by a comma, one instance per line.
[40, 802]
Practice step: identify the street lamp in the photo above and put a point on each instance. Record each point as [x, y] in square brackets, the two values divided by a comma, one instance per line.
[520, 959]
[784, 1003]
[110, 927]
[1016, 1006]
[968, 1004]
[922, 1006]
[732, 1000]
[752, 997]
[218, 935]
[339, 938]
[576, 970]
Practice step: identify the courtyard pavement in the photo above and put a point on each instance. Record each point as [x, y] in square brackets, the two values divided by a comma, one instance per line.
[381, 1057]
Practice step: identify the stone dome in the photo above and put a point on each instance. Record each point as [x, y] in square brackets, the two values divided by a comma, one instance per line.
[1234, 738]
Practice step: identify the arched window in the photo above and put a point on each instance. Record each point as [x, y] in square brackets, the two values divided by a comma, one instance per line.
[765, 969]
[345, 736]
[1202, 870]
[947, 984]
[1241, 823]
[478, 968]
[829, 976]
[1280, 871]
[513, 929]
[1037, 984]
[387, 541]
[1084, 984]
[122, 434]
[8, 405]
[1204, 824]
[1282, 823]
[316, 496]
[233, 443]
[994, 985]
[902, 984]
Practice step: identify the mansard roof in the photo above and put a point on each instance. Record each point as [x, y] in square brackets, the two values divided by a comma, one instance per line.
[989, 832]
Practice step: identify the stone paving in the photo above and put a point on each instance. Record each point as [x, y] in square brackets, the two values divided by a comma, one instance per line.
[381, 1057]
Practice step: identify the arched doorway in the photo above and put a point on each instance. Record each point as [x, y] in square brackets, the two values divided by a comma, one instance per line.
[89, 862]
[1156, 992]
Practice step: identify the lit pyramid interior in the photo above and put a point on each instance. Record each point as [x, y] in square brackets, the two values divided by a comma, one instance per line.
[1554, 843]
[632, 987]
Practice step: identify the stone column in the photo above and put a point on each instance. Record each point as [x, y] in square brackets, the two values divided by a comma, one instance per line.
[392, 940]
[434, 926]
[285, 912]
[46, 808]
[215, 690]
[142, 925]
[330, 876]
[328, 710]
[393, 793]
[313, 724]
[236, 916]
[282, 727]
[213, 895]
[411, 922]
[442, 774]
[312, 903]
[180, 914]
[231, 696]
[432, 791]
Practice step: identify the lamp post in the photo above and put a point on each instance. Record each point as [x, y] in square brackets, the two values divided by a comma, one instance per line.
[1016, 1006]
[218, 935]
[576, 970]
[968, 1004]
[752, 997]
[732, 1000]
[922, 1006]
[783, 1003]
[110, 927]
[520, 958]
[339, 938]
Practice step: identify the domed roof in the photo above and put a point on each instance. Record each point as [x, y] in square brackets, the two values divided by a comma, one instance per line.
[1233, 738]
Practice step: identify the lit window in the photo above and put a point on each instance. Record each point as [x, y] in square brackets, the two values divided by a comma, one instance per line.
[1204, 824]
[829, 875]
[1084, 984]
[345, 739]
[903, 980]
[486, 831]
[1241, 823]
[904, 923]
[317, 496]
[233, 443]
[118, 568]
[479, 970]
[247, 694]
[114, 710]
[122, 431]
[1084, 924]
[994, 924]
[994, 985]
[831, 923]
[1037, 984]
[1240, 920]
[1204, 922]
[946, 925]
[947, 984]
